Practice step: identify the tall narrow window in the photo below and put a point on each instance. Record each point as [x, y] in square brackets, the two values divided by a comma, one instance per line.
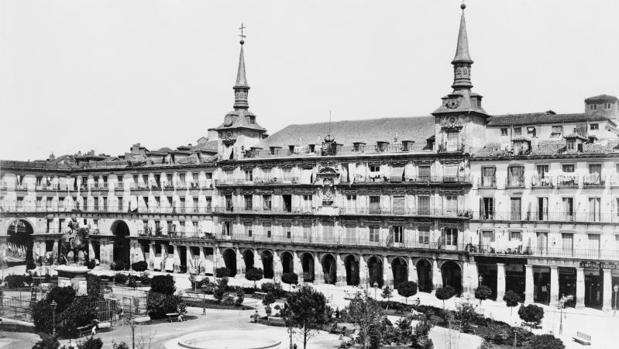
[567, 243]
[374, 233]
[516, 209]
[374, 204]
[488, 177]
[568, 208]
[424, 235]
[398, 236]
[542, 209]
[594, 209]
[424, 205]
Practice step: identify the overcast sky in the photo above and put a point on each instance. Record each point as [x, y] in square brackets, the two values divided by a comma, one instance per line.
[102, 75]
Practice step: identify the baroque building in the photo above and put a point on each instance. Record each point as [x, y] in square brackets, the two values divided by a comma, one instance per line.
[526, 202]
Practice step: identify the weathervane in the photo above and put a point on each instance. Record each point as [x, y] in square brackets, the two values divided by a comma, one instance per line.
[242, 35]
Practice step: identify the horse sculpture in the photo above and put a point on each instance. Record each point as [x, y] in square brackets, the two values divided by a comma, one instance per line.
[74, 244]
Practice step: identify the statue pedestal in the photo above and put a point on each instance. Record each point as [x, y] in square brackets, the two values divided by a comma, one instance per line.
[74, 276]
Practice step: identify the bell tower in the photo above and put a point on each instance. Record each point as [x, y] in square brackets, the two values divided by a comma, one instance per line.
[239, 131]
[460, 120]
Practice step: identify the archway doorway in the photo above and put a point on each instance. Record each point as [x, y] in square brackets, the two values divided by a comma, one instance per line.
[352, 270]
[424, 275]
[20, 244]
[248, 259]
[230, 261]
[307, 262]
[375, 267]
[329, 269]
[400, 271]
[452, 276]
[267, 264]
[287, 263]
[122, 244]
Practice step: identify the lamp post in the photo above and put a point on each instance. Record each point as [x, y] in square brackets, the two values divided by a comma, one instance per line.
[54, 305]
[204, 300]
[561, 305]
[616, 292]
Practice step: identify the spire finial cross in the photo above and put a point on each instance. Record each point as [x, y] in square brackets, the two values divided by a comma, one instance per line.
[242, 35]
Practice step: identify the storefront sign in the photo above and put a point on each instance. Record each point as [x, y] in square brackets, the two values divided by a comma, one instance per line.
[599, 265]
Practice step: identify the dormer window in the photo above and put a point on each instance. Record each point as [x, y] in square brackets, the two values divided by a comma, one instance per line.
[594, 127]
[311, 147]
[517, 131]
[593, 106]
[407, 145]
[291, 149]
[274, 150]
[557, 131]
[531, 131]
[358, 146]
[381, 146]
[504, 131]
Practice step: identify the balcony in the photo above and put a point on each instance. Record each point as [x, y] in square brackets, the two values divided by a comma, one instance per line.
[517, 248]
[541, 182]
[593, 180]
[534, 216]
[515, 182]
[487, 182]
[567, 181]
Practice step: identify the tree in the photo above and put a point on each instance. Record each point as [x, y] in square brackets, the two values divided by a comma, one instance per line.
[386, 292]
[445, 293]
[482, 293]
[47, 342]
[268, 299]
[420, 335]
[290, 278]
[222, 272]
[254, 274]
[466, 314]
[512, 299]
[139, 266]
[163, 284]
[407, 289]
[531, 314]
[366, 313]
[307, 309]
[546, 341]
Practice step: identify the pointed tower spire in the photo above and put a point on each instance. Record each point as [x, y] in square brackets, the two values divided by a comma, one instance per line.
[462, 60]
[241, 88]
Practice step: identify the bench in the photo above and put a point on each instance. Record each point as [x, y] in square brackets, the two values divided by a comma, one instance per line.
[582, 338]
[260, 295]
[84, 330]
[171, 316]
[141, 319]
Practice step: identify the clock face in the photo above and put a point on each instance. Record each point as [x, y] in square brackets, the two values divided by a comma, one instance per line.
[452, 104]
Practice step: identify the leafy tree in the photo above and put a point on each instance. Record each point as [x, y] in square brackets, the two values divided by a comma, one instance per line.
[93, 287]
[81, 312]
[512, 299]
[466, 314]
[139, 266]
[268, 299]
[420, 336]
[546, 341]
[407, 289]
[444, 293]
[386, 292]
[120, 278]
[42, 316]
[159, 304]
[531, 314]
[307, 309]
[366, 313]
[163, 284]
[482, 293]
[254, 274]
[221, 289]
[290, 278]
[240, 296]
[222, 272]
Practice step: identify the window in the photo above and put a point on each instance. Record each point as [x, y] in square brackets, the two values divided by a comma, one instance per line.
[249, 175]
[594, 127]
[486, 208]
[542, 209]
[593, 106]
[568, 168]
[451, 205]
[425, 172]
[424, 205]
[607, 105]
[374, 168]
[594, 209]
[542, 171]
[450, 236]
[515, 236]
[248, 202]
[288, 233]
[516, 209]
[517, 131]
[516, 176]
[269, 233]
[557, 131]
[487, 237]
[567, 243]
[375, 204]
[228, 199]
[374, 233]
[568, 208]
[531, 131]
[397, 234]
[266, 202]
[398, 205]
[488, 177]
[503, 131]
[594, 245]
[307, 203]
[452, 141]
[424, 235]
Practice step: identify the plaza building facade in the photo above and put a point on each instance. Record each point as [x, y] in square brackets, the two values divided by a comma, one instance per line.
[526, 202]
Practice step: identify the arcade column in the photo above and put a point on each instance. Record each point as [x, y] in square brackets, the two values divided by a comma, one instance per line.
[319, 277]
[297, 266]
[240, 263]
[412, 271]
[387, 272]
[364, 273]
[437, 276]
[554, 285]
[470, 279]
[340, 271]
[277, 267]
[500, 281]
[529, 284]
[580, 288]
[607, 294]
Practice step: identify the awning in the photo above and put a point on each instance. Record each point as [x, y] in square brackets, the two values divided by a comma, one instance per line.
[397, 173]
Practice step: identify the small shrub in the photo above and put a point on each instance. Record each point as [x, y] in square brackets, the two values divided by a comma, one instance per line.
[47, 342]
[119, 265]
[467, 315]
[268, 299]
[163, 284]
[182, 269]
[158, 304]
[546, 341]
[445, 293]
[120, 278]
[30, 265]
[254, 274]
[531, 314]
[132, 281]
[387, 291]
[90, 264]
[511, 299]
[91, 343]
[222, 272]
[240, 296]
[407, 289]
[121, 345]
[139, 266]
[290, 278]
[15, 281]
[482, 293]
[144, 280]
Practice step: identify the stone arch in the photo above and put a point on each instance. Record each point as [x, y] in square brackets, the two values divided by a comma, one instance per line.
[424, 275]
[400, 270]
[307, 263]
[375, 268]
[287, 262]
[329, 268]
[351, 264]
[122, 244]
[248, 259]
[452, 275]
[267, 264]
[20, 243]
[229, 256]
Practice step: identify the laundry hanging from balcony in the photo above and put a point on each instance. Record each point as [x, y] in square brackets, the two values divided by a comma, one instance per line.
[397, 174]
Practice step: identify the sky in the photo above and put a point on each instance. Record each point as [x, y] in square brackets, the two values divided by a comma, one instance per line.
[103, 75]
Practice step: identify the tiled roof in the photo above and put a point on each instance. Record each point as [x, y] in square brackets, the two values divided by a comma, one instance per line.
[239, 117]
[542, 118]
[549, 147]
[417, 129]
[601, 99]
